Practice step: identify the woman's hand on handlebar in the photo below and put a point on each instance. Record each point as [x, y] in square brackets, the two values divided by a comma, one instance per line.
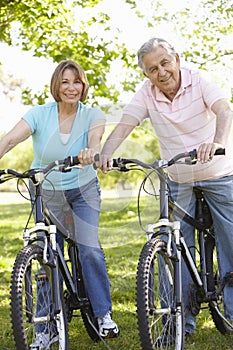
[86, 156]
[206, 151]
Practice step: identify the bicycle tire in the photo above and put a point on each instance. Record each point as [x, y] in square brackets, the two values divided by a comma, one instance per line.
[213, 281]
[89, 321]
[29, 275]
[159, 326]
[88, 318]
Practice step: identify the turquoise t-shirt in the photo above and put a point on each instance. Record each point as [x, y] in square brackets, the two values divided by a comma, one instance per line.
[48, 146]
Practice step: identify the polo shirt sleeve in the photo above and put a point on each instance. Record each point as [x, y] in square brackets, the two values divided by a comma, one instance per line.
[211, 92]
[137, 107]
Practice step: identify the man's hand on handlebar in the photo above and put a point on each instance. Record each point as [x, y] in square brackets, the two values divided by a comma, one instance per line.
[206, 151]
[104, 163]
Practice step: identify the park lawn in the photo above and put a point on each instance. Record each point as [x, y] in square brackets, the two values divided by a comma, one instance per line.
[122, 240]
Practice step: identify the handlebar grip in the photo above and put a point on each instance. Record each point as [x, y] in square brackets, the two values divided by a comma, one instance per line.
[71, 161]
[115, 162]
[96, 157]
[220, 152]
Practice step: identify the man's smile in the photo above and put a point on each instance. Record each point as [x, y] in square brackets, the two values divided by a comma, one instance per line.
[165, 79]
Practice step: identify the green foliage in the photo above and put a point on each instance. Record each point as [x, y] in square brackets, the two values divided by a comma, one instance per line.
[76, 30]
[142, 144]
[211, 25]
[32, 98]
[64, 30]
[19, 158]
[204, 25]
[9, 84]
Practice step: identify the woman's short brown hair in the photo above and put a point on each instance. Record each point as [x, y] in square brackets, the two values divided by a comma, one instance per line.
[57, 78]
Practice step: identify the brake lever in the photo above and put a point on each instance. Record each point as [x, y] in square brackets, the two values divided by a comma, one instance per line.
[66, 169]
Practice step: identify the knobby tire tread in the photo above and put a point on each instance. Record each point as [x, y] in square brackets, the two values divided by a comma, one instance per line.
[17, 294]
[151, 252]
[212, 282]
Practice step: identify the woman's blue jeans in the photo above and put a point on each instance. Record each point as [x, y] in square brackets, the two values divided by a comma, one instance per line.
[219, 196]
[84, 203]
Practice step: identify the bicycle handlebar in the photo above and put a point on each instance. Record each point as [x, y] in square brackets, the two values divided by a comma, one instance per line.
[70, 162]
[63, 165]
[190, 159]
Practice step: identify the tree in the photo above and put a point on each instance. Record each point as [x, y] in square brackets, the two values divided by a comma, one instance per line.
[56, 28]
[206, 31]
[79, 30]
[9, 85]
[64, 29]
[206, 27]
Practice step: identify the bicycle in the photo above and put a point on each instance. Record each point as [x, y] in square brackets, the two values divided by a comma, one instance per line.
[41, 270]
[159, 302]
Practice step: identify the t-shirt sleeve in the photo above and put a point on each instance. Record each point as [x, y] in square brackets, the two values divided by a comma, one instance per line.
[31, 118]
[96, 114]
[137, 107]
[211, 92]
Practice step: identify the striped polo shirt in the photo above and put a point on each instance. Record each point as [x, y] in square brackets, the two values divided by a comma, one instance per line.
[184, 123]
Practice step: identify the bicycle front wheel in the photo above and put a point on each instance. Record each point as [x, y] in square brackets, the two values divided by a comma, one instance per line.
[35, 326]
[160, 320]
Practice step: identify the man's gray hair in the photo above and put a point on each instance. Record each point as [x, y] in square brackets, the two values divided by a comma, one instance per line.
[152, 45]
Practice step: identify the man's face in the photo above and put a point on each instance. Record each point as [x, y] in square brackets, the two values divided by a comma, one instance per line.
[163, 70]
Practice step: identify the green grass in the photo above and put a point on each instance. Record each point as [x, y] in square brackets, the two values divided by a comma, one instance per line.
[122, 240]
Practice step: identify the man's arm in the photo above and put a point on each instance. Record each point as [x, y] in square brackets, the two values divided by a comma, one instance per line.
[224, 116]
[118, 135]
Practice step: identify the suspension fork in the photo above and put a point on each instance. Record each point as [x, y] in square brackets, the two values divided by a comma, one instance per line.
[178, 268]
[201, 237]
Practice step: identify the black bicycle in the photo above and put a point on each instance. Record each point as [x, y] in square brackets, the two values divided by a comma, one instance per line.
[159, 300]
[46, 283]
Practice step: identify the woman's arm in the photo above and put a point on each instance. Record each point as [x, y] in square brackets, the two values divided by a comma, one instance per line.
[96, 131]
[20, 132]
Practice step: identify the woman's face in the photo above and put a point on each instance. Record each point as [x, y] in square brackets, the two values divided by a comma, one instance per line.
[71, 87]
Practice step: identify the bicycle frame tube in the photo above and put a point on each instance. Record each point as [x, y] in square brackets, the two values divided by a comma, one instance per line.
[69, 280]
[190, 263]
[200, 227]
[166, 203]
[38, 203]
[163, 194]
[184, 215]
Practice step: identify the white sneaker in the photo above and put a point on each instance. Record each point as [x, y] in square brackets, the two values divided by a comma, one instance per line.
[107, 327]
[43, 341]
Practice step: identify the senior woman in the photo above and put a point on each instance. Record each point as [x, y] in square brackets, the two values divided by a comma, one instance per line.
[59, 129]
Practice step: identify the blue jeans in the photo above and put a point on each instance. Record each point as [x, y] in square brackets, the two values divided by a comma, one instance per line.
[84, 203]
[219, 196]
